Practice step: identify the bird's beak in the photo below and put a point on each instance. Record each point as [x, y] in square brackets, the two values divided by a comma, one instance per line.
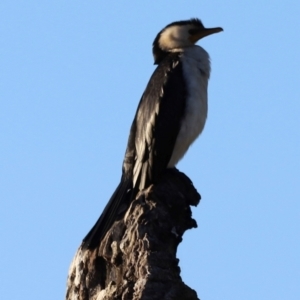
[204, 32]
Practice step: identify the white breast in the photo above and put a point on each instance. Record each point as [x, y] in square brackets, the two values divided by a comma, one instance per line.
[196, 68]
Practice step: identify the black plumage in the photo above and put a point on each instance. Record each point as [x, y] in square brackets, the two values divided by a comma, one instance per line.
[151, 141]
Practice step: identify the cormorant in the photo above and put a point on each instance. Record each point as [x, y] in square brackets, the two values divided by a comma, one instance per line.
[170, 116]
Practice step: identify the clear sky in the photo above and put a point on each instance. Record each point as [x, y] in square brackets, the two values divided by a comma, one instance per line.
[71, 76]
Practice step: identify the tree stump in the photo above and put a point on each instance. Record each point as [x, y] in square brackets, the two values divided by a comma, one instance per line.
[137, 257]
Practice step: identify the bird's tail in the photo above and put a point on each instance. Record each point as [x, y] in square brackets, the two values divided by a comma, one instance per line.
[122, 195]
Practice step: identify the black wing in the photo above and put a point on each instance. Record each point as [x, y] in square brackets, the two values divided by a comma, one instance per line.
[151, 141]
[157, 123]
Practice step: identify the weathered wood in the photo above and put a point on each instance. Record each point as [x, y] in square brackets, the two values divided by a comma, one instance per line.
[137, 257]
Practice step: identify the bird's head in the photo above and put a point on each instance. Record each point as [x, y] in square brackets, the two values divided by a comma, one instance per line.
[178, 35]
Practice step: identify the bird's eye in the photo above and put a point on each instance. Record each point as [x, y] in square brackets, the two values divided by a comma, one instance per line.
[193, 31]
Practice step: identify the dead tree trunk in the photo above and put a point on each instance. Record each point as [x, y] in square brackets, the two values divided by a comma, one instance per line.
[137, 257]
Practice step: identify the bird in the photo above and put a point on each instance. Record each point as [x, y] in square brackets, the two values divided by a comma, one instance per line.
[170, 115]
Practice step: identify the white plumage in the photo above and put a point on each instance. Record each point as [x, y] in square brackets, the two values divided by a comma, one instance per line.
[196, 68]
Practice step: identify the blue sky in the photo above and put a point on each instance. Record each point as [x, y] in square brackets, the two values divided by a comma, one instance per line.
[71, 76]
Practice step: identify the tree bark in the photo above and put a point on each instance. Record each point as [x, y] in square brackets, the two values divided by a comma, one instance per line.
[137, 257]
